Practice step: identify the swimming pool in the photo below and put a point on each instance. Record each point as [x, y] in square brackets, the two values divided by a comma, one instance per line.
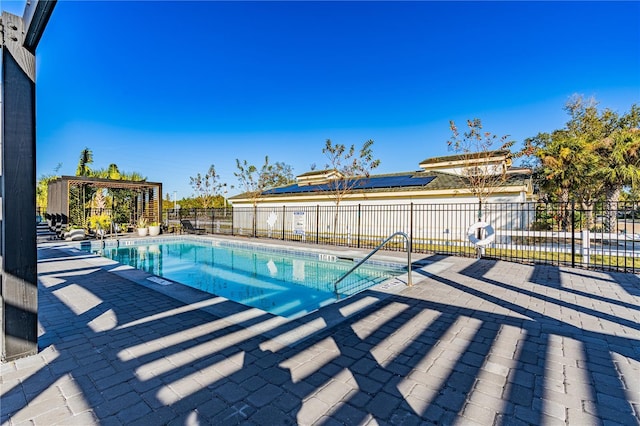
[283, 282]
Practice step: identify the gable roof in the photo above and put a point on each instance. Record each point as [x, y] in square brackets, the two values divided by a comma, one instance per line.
[315, 173]
[487, 156]
[318, 176]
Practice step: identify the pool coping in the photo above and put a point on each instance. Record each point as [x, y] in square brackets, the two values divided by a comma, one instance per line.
[276, 246]
[297, 329]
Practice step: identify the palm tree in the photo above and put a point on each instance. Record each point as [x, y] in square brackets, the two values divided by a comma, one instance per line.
[567, 165]
[86, 157]
[118, 197]
[619, 167]
[134, 176]
[113, 172]
[595, 156]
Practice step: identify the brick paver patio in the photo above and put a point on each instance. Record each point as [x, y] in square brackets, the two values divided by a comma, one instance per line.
[473, 342]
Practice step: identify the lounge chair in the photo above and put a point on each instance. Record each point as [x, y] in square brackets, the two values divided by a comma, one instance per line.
[74, 235]
[188, 227]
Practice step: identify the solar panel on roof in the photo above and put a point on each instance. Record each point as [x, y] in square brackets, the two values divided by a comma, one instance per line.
[393, 182]
[402, 181]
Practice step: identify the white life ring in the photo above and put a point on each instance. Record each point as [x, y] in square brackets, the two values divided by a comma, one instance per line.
[489, 234]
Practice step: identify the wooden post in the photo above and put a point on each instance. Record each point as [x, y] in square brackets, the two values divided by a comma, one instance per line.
[18, 258]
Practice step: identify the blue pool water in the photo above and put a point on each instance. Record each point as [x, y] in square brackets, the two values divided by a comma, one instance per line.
[280, 282]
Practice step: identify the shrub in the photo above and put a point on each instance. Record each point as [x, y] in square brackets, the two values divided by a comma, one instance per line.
[101, 221]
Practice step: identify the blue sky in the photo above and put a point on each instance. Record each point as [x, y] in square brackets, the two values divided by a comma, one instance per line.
[168, 88]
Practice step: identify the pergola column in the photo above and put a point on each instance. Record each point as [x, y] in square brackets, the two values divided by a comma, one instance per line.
[18, 259]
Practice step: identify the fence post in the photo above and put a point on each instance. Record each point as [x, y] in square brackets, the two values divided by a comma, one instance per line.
[317, 223]
[410, 228]
[359, 212]
[283, 220]
[573, 234]
[586, 247]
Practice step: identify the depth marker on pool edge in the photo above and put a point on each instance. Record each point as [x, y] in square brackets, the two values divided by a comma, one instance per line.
[159, 281]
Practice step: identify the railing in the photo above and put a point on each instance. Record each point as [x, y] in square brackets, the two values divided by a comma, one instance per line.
[601, 237]
[213, 221]
[395, 234]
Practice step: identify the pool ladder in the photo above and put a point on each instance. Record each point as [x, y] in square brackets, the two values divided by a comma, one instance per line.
[395, 234]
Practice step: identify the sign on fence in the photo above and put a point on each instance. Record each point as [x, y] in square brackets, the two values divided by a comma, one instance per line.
[299, 223]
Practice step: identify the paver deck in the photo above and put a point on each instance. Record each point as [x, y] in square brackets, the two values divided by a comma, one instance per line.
[472, 342]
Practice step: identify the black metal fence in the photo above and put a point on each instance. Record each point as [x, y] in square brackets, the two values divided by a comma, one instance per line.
[596, 237]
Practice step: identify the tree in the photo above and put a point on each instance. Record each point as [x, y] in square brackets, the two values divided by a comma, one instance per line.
[42, 189]
[134, 176]
[597, 152]
[189, 203]
[111, 172]
[86, 158]
[83, 169]
[99, 202]
[255, 181]
[118, 200]
[619, 161]
[482, 172]
[567, 167]
[620, 167]
[349, 169]
[208, 188]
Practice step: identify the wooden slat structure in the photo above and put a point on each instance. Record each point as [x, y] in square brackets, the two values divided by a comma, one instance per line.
[19, 37]
[146, 199]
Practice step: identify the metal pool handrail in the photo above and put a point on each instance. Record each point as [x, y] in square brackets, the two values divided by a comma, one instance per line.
[335, 286]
